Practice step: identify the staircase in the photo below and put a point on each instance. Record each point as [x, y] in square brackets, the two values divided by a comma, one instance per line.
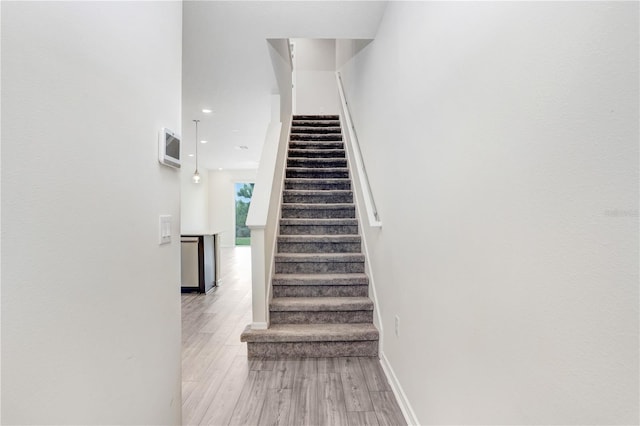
[320, 305]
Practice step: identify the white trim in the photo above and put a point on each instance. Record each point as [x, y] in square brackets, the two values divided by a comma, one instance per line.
[258, 325]
[401, 397]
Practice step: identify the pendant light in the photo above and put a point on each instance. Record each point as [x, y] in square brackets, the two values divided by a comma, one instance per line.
[196, 175]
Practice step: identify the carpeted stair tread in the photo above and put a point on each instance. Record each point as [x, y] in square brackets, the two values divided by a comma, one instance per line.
[311, 304]
[317, 173]
[303, 129]
[315, 137]
[318, 191]
[316, 123]
[324, 210]
[326, 196]
[316, 145]
[319, 257]
[317, 184]
[315, 117]
[317, 206]
[335, 181]
[320, 238]
[312, 222]
[320, 279]
[311, 333]
[316, 153]
[316, 163]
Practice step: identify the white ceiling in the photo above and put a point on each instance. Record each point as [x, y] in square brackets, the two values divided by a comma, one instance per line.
[227, 68]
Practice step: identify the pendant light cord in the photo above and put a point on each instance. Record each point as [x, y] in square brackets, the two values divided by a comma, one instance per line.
[196, 121]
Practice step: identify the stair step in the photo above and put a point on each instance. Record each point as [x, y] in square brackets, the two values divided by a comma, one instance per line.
[317, 173]
[320, 238]
[319, 263]
[316, 117]
[319, 244]
[320, 279]
[303, 196]
[315, 137]
[312, 333]
[320, 310]
[316, 304]
[318, 184]
[318, 226]
[316, 144]
[317, 162]
[320, 285]
[312, 341]
[315, 123]
[318, 211]
[301, 129]
[316, 153]
[320, 258]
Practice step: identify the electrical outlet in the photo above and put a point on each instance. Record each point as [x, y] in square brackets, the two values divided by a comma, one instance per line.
[397, 328]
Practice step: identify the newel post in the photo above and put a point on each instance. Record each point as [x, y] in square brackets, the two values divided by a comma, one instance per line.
[258, 279]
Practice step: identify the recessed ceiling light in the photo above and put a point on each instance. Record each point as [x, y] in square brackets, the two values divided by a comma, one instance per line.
[219, 168]
[204, 141]
[207, 110]
[190, 155]
[235, 130]
[242, 147]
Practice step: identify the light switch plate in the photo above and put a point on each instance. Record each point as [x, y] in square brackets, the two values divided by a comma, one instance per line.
[165, 229]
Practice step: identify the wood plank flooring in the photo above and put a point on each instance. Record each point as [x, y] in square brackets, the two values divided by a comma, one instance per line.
[221, 387]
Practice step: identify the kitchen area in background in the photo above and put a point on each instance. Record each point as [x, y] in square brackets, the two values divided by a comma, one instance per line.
[209, 220]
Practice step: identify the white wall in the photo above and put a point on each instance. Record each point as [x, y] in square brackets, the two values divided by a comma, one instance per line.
[90, 301]
[502, 144]
[222, 207]
[281, 64]
[315, 82]
[194, 201]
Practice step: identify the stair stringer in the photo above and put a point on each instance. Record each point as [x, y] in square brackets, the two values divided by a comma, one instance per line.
[264, 224]
[356, 187]
[274, 248]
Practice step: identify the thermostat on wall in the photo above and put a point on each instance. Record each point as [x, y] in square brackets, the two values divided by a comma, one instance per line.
[169, 148]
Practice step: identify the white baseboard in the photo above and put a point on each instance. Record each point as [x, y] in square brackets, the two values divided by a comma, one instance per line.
[407, 411]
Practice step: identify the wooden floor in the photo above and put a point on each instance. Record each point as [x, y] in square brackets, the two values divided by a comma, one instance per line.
[221, 387]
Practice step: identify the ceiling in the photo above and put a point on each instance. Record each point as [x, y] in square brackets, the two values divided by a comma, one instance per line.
[226, 67]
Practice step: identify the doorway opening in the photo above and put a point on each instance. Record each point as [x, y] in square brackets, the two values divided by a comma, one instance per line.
[244, 191]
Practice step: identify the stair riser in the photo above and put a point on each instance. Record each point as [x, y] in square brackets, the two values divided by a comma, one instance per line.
[363, 348]
[321, 317]
[317, 173]
[319, 267]
[310, 153]
[319, 185]
[319, 198]
[320, 291]
[314, 137]
[319, 248]
[317, 162]
[316, 145]
[315, 123]
[318, 229]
